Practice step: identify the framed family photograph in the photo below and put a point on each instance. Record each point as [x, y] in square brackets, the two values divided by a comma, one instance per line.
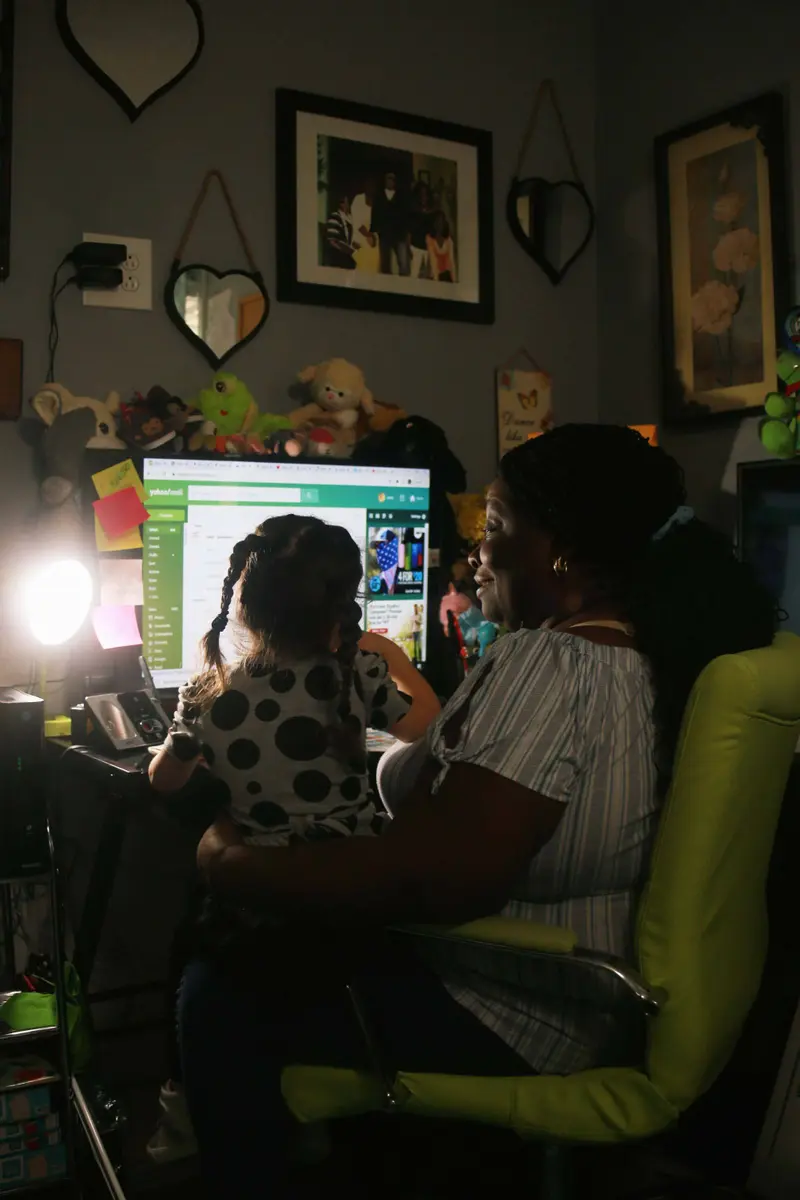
[382, 211]
[723, 260]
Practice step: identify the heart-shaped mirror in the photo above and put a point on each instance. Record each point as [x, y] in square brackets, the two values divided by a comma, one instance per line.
[546, 217]
[218, 311]
[136, 51]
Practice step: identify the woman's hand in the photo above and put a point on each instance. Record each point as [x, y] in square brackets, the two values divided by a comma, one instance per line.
[218, 838]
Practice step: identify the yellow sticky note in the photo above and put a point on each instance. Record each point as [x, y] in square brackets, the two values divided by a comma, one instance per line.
[114, 479]
[132, 540]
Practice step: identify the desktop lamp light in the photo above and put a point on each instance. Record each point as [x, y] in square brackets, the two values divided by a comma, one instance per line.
[57, 597]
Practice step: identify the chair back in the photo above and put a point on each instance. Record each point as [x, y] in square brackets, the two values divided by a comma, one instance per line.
[702, 922]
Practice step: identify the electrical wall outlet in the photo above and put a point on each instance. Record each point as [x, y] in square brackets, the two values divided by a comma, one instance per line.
[136, 289]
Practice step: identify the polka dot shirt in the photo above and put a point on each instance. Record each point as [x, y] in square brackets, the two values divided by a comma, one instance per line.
[268, 739]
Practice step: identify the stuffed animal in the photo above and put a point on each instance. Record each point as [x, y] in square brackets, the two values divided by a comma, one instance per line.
[156, 420]
[339, 395]
[54, 401]
[477, 632]
[779, 430]
[73, 424]
[232, 422]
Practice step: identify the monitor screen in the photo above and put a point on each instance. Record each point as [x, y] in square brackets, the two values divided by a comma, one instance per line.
[769, 531]
[200, 508]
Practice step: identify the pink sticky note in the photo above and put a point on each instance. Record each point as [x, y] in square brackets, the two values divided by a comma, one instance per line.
[120, 512]
[116, 625]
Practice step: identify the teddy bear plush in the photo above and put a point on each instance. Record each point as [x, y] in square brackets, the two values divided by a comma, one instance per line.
[338, 397]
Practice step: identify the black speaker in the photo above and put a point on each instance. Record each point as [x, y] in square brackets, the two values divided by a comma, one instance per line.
[23, 803]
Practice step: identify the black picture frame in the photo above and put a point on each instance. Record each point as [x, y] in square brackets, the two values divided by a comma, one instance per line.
[293, 290]
[177, 269]
[7, 21]
[680, 405]
[131, 110]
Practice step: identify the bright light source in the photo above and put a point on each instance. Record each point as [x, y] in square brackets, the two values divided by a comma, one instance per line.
[57, 600]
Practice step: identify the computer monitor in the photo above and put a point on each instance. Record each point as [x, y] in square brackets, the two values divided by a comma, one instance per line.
[200, 507]
[769, 529]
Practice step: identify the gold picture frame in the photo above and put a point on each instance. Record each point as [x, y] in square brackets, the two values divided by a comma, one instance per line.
[723, 260]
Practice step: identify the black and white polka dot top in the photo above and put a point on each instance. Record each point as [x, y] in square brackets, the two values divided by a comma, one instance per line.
[267, 739]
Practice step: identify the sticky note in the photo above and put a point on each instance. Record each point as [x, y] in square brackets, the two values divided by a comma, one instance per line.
[132, 540]
[117, 478]
[120, 511]
[116, 625]
[121, 582]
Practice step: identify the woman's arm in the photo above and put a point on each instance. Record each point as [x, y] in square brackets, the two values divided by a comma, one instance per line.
[449, 861]
[425, 706]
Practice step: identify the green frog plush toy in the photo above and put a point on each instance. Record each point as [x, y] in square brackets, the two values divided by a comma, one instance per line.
[232, 423]
[779, 431]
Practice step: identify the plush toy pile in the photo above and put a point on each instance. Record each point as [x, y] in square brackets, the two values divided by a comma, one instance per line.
[779, 431]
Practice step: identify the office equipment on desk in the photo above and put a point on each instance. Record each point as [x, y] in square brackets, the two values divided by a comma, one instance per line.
[23, 833]
[120, 722]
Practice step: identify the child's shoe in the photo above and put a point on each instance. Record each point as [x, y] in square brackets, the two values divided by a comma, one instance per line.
[174, 1138]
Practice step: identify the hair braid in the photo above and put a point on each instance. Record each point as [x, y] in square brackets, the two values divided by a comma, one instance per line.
[345, 737]
[240, 555]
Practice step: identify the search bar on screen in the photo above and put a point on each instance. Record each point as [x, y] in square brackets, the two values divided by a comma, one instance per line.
[245, 495]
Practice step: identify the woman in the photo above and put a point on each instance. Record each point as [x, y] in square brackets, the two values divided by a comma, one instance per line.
[340, 244]
[441, 251]
[421, 228]
[367, 254]
[539, 799]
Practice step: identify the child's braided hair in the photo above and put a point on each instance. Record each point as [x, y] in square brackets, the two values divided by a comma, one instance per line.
[298, 582]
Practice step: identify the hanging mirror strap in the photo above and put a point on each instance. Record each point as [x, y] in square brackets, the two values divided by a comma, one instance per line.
[195, 212]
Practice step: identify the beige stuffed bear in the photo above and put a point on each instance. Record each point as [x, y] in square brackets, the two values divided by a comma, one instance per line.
[339, 396]
[54, 401]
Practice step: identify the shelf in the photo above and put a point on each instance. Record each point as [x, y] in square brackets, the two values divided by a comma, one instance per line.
[37, 879]
[42, 1081]
[34, 1185]
[20, 1037]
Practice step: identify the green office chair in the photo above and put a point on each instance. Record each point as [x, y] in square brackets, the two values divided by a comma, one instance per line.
[701, 941]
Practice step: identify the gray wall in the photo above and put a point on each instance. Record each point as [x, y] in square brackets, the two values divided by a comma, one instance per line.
[655, 73]
[80, 165]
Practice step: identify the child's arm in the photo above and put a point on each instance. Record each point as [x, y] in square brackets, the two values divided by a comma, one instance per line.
[425, 707]
[173, 766]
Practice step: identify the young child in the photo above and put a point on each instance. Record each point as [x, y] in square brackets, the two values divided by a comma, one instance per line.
[284, 727]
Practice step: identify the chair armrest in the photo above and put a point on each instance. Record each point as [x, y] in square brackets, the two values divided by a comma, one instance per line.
[511, 933]
[531, 940]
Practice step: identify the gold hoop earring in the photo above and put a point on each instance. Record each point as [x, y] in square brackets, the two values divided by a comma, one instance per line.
[560, 566]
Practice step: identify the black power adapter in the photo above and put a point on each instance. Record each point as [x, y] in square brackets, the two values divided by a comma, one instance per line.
[99, 254]
[99, 277]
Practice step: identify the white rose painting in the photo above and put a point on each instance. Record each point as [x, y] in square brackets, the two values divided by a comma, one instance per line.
[721, 205]
[724, 263]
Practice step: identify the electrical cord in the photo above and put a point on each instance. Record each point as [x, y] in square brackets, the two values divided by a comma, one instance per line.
[53, 334]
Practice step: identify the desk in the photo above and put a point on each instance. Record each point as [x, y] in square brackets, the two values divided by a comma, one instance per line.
[123, 782]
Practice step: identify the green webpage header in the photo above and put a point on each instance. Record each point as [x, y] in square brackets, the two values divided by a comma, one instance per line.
[177, 495]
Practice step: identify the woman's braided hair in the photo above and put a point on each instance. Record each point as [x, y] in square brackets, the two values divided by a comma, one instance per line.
[602, 492]
[298, 581]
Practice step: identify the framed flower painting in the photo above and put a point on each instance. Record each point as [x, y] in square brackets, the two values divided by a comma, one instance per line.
[723, 260]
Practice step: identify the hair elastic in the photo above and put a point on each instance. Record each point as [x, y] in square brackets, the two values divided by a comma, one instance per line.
[682, 516]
